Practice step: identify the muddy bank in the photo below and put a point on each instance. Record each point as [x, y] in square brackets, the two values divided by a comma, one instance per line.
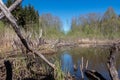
[50, 46]
[83, 42]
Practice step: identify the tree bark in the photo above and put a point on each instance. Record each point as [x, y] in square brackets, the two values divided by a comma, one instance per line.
[112, 61]
[11, 8]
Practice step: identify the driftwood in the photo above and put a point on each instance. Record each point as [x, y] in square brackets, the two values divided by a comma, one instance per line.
[112, 60]
[94, 75]
[16, 28]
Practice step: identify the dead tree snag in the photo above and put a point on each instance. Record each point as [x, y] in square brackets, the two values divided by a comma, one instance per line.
[112, 61]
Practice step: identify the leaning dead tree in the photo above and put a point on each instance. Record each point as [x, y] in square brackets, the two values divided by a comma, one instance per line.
[114, 50]
[6, 13]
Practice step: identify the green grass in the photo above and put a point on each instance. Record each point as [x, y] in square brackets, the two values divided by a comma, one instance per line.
[59, 75]
[1, 29]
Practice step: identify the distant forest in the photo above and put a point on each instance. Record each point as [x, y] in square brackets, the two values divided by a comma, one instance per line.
[91, 25]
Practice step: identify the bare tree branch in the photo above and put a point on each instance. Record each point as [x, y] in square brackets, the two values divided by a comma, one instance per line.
[11, 8]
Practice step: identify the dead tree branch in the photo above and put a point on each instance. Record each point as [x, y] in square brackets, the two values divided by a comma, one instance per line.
[16, 28]
[81, 69]
[11, 8]
[112, 61]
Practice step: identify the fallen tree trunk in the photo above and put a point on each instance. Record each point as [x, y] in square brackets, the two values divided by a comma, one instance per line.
[16, 28]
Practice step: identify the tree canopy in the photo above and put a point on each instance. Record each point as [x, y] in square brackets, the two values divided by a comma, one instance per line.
[96, 25]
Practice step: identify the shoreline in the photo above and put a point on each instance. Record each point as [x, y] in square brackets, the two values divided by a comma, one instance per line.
[51, 46]
[86, 42]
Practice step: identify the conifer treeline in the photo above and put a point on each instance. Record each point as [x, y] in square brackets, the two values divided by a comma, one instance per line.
[25, 15]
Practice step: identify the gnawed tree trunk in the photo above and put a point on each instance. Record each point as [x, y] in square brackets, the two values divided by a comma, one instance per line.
[16, 28]
[112, 61]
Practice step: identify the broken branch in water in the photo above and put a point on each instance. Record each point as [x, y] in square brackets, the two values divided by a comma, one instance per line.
[91, 74]
[81, 68]
[94, 75]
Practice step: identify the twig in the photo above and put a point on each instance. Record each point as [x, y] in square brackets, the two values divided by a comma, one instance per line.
[86, 65]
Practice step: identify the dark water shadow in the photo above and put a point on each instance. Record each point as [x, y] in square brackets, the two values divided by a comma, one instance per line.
[29, 79]
[49, 77]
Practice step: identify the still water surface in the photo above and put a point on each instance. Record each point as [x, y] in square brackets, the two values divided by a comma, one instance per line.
[96, 56]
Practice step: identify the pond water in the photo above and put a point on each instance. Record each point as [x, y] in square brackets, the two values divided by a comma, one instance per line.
[97, 57]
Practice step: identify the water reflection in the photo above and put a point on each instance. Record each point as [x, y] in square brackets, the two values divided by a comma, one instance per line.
[69, 66]
[67, 62]
[97, 61]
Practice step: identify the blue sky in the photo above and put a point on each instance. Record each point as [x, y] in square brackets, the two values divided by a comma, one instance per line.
[66, 9]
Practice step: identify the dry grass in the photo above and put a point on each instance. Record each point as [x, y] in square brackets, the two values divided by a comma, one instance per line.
[6, 39]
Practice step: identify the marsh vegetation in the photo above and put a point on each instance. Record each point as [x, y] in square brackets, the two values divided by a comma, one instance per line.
[92, 39]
